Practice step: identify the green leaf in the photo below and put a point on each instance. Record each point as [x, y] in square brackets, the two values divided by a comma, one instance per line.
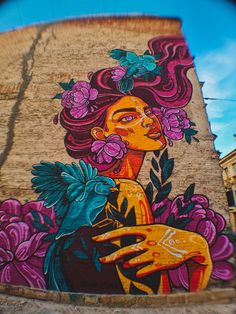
[134, 290]
[156, 153]
[189, 192]
[71, 83]
[158, 56]
[159, 211]
[84, 244]
[95, 257]
[179, 206]
[156, 182]
[149, 193]
[164, 158]
[65, 86]
[170, 220]
[126, 84]
[147, 77]
[112, 198]
[130, 218]
[155, 164]
[164, 192]
[80, 254]
[147, 52]
[187, 208]
[58, 96]
[132, 70]
[156, 71]
[35, 215]
[131, 57]
[188, 138]
[117, 53]
[117, 215]
[196, 139]
[39, 226]
[189, 131]
[167, 170]
[192, 123]
[181, 223]
[47, 220]
[124, 206]
[49, 237]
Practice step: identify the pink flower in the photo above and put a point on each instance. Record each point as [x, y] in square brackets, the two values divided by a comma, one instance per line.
[78, 98]
[108, 150]
[118, 73]
[173, 122]
[21, 256]
[22, 242]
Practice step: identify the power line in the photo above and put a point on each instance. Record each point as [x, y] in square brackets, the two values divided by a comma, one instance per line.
[222, 99]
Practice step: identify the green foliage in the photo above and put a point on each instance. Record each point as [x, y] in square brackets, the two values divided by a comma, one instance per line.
[58, 96]
[156, 182]
[149, 192]
[189, 192]
[189, 134]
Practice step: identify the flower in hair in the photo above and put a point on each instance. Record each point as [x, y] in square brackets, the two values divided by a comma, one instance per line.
[109, 149]
[133, 66]
[77, 97]
[175, 124]
[118, 73]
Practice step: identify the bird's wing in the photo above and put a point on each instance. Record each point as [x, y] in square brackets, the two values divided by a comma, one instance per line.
[89, 172]
[60, 184]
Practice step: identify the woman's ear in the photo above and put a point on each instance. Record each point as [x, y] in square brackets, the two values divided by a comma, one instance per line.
[98, 133]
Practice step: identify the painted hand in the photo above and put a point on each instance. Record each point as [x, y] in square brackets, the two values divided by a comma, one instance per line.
[161, 248]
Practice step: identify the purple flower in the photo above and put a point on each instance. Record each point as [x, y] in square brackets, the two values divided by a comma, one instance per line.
[108, 150]
[118, 73]
[21, 256]
[173, 122]
[22, 244]
[205, 222]
[78, 98]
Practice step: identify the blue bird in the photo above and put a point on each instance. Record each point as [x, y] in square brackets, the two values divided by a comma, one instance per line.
[78, 195]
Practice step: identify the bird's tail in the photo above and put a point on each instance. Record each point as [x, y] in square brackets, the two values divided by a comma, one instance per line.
[53, 268]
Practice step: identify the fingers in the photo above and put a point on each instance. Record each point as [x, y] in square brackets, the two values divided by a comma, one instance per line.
[134, 248]
[138, 260]
[121, 232]
[146, 270]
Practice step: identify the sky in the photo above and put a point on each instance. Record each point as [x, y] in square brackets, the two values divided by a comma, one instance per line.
[208, 25]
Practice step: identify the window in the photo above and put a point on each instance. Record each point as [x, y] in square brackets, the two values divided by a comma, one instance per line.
[230, 198]
[227, 172]
[234, 167]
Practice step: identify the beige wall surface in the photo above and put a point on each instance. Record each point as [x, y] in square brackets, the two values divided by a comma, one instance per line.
[35, 59]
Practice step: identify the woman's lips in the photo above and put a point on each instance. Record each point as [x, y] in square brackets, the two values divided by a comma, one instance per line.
[154, 134]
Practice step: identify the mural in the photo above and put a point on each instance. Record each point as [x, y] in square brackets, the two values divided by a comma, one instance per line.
[94, 227]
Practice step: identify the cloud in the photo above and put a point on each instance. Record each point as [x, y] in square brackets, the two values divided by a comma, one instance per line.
[217, 69]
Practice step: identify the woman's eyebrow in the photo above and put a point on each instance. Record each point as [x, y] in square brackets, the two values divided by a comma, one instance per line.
[125, 110]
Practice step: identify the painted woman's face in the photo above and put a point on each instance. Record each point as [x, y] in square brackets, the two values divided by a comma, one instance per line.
[134, 121]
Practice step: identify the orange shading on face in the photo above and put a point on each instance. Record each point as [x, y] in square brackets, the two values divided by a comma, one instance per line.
[134, 121]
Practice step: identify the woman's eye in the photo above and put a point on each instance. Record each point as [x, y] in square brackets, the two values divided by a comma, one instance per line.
[127, 118]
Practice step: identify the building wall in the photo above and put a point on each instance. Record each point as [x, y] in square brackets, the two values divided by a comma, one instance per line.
[228, 163]
[178, 190]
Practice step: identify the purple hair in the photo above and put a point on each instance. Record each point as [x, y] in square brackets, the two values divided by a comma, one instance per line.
[171, 90]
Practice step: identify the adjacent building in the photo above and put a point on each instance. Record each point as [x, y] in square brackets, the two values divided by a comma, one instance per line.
[228, 163]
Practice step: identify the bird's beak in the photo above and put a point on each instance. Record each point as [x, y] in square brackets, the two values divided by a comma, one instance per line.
[114, 189]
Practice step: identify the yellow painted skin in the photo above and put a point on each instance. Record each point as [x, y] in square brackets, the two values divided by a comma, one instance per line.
[161, 246]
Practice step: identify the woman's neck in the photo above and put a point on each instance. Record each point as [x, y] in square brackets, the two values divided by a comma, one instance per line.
[128, 167]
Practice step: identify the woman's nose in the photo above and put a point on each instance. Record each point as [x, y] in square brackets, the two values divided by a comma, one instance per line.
[147, 122]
